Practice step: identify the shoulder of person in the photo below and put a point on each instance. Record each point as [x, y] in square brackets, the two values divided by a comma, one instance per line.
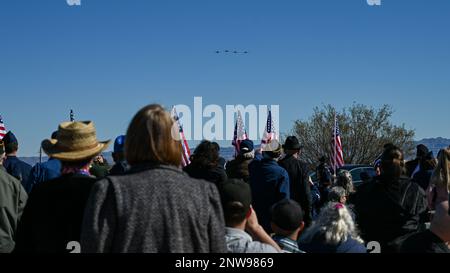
[8, 179]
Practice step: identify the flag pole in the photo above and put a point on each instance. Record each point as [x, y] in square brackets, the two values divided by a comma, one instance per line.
[335, 144]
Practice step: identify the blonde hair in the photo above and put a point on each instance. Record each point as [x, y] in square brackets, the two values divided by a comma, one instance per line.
[441, 175]
[335, 224]
[150, 138]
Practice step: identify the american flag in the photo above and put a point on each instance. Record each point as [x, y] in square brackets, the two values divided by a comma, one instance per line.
[337, 156]
[269, 133]
[2, 129]
[239, 133]
[186, 152]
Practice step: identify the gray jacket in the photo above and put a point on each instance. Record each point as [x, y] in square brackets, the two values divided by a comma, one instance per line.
[12, 202]
[153, 209]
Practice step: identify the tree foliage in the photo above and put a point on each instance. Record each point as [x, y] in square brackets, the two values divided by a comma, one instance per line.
[364, 132]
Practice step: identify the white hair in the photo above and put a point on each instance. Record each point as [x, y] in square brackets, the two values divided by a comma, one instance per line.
[249, 155]
[335, 224]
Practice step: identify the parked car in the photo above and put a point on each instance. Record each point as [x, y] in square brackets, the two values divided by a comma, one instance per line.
[355, 171]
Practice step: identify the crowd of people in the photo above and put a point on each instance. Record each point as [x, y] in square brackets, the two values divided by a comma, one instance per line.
[262, 201]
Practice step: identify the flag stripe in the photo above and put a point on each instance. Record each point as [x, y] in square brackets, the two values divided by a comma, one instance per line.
[2, 129]
[337, 158]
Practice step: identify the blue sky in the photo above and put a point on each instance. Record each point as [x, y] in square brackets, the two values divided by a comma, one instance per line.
[106, 59]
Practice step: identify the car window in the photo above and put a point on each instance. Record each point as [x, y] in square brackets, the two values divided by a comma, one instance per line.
[356, 174]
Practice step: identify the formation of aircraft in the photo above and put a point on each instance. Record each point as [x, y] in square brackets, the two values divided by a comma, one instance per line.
[231, 51]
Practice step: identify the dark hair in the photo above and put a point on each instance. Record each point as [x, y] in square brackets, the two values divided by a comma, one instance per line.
[428, 162]
[392, 163]
[272, 154]
[206, 155]
[11, 147]
[236, 199]
[234, 213]
[388, 145]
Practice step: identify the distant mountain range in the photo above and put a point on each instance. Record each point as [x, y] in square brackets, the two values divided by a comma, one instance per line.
[225, 152]
[434, 144]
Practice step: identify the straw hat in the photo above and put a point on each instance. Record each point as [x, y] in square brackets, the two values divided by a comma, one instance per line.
[74, 141]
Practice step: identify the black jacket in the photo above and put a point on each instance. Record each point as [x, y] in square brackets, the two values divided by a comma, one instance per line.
[411, 166]
[216, 175]
[53, 214]
[300, 190]
[424, 242]
[389, 211]
[121, 167]
[238, 168]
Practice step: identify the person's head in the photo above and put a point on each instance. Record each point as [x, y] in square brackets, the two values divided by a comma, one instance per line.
[11, 143]
[377, 166]
[334, 224]
[287, 219]
[246, 149]
[421, 151]
[118, 152]
[150, 138]
[388, 145]
[75, 145]
[428, 162]
[98, 159]
[236, 198]
[272, 150]
[206, 155]
[345, 180]
[392, 163]
[337, 194]
[292, 146]
[323, 160]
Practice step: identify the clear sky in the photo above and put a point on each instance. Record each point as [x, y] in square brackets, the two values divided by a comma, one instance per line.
[107, 58]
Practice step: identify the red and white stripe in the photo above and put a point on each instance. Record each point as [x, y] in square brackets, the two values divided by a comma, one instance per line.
[337, 159]
[2, 129]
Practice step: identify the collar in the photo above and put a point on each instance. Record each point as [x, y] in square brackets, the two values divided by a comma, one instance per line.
[145, 166]
[237, 233]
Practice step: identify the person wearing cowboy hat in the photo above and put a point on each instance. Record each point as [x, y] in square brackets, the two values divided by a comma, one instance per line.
[298, 176]
[269, 182]
[54, 215]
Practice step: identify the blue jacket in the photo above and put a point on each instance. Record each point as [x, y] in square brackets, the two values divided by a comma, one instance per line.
[42, 172]
[17, 168]
[318, 245]
[269, 184]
